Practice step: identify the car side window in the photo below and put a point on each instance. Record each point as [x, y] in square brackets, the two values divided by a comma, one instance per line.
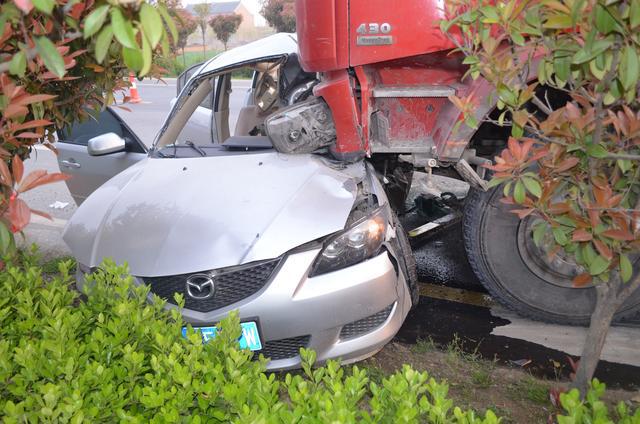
[184, 77]
[81, 132]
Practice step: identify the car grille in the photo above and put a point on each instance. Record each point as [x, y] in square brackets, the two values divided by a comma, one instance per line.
[365, 325]
[231, 285]
[283, 348]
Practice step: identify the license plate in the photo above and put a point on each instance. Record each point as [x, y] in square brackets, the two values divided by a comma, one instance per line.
[250, 338]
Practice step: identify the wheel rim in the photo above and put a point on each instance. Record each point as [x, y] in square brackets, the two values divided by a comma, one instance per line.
[554, 267]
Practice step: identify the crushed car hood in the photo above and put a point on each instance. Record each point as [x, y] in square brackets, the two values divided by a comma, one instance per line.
[175, 216]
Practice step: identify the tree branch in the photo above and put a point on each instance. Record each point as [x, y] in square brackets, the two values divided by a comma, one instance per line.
[546, 109]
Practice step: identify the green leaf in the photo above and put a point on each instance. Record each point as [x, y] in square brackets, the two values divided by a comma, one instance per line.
[470, 60]
[132, 58]
[123, 30]
[585, 54]
[45, 6]
[5, 238]
[18, 64]
[164, 44]
[490, 15]
[629, 67]
[146, 57]
[626, 270]
[50, 56]
[558, 21]
[634, 14]
[598, 265]
[560, 236]
[533, 186]
[95, 20]
[517, 38]
[519, 192]
[496, 182]
[507, 189]
[624, 165]
[596, 151]
[539, 231]
[167, 19]
[588, 253]
[151, 23]
[103, 42]
[605, 22]
[562, 67]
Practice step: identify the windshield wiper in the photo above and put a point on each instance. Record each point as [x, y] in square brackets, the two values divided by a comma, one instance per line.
[195, 147]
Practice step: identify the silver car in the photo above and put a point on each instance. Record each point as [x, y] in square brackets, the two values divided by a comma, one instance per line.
[306, 248]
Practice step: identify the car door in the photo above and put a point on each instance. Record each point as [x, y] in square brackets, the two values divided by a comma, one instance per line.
[90, 172]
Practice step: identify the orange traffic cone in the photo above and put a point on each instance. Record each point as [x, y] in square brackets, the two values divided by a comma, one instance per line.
[134, 97]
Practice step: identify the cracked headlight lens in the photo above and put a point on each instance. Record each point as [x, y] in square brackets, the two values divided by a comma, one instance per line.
[359, 242]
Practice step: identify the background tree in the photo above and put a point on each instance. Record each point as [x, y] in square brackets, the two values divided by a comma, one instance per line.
[280, 14]
[573, 164]
[224, 26]
[184, 21]
[186, 24]
[202, 14]
[60, 60]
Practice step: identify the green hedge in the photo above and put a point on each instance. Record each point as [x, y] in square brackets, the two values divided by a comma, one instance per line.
[111, 356]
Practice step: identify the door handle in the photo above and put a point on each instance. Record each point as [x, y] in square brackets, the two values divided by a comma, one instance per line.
[70, 163]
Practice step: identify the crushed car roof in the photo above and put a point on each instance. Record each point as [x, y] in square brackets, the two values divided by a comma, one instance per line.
[265, 48]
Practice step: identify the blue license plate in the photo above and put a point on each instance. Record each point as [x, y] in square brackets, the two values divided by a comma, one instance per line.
[250, 338]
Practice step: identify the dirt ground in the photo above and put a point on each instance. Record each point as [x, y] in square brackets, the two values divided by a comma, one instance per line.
[476, 383]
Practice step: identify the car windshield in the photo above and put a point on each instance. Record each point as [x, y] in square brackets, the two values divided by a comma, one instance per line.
[228, 113]
[225, 113]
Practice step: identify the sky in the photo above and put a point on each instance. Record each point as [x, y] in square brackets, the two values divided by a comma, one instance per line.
[253, 5]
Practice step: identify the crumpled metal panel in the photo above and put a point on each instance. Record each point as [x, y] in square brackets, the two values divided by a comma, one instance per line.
[173, 216]
[272, 46]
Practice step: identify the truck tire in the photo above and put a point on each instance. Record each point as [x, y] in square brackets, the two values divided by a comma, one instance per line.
[517, 273]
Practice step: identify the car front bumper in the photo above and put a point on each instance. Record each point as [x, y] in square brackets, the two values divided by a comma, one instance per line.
[371, 298]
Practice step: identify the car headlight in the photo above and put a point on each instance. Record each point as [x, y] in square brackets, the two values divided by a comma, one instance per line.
[359, 242]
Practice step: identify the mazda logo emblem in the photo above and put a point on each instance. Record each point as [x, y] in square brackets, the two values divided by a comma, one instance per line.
[200, 286]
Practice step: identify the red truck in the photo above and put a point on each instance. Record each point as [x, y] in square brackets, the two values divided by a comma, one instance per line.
[386, 73]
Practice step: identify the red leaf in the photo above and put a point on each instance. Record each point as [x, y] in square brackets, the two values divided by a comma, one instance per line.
[559, 208]
[522, 213]
[42, 214]
[619, 235]
[594, 217]
[603, 249]
[31, 178]
[29, 134]
[582, 280]
[18, 168]
[14, 110]
[27, 100]
[24, 5]
[581, 235]
[526, 146]
[567, 164]
[31, 124]
[19, 214]
[5, 174]
[42, 180]
[514, 148]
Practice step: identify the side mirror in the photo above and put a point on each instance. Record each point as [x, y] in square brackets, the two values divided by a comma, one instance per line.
[106, 144]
